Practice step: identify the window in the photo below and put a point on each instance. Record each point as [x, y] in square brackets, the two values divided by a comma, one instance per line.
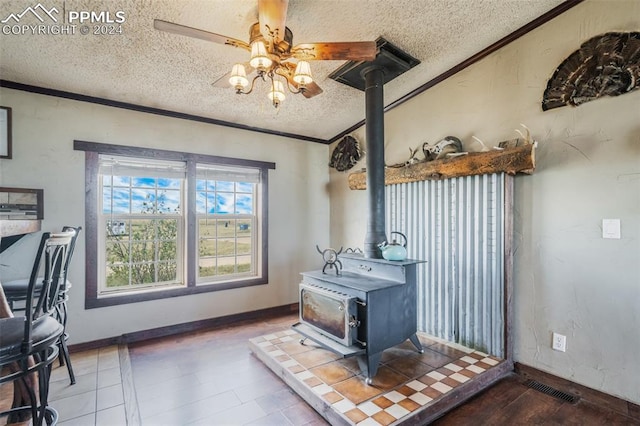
[164, 224]
[226, 206]
[141, 226]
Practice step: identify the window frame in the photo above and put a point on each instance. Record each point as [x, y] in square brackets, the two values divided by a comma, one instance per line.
[253, 218]
[130, 217]
[92, 152]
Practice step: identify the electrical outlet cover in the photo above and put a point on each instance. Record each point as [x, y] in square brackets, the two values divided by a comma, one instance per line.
[559, 342]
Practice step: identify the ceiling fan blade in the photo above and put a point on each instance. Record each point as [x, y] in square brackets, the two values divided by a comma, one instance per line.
[341, 51]
[272, 15]
[311, 90]
[223, 81]
[183, 30]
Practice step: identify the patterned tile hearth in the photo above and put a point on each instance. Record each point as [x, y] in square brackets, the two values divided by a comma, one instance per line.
[407, 383]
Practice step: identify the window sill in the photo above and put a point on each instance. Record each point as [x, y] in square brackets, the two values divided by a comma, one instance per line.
[144, 296]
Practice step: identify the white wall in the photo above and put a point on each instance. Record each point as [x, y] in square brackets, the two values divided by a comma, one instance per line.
[44, 129]
[567, 278]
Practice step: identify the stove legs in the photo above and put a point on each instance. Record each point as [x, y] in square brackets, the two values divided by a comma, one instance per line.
[369, 365]
[416, 343]
[367, 362]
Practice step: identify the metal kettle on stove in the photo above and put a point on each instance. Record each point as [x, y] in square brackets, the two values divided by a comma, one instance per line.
[394, 250]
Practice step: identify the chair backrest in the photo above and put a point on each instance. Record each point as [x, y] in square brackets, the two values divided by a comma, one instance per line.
[17, 290]
[72, 247]
[63, 294]
[52, 254]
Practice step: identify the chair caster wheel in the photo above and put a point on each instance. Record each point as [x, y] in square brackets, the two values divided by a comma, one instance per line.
[369, 381]
[302, 341]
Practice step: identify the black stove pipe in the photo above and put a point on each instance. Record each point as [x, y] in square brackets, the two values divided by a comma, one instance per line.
[374, 116]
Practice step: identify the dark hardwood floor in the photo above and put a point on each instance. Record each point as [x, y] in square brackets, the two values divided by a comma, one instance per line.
[211, 378]
[510, 402]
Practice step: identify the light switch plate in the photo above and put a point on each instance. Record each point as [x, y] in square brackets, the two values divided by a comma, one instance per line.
[611, 228]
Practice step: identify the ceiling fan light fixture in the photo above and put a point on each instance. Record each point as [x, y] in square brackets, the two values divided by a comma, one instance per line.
[259, 57]
[273, 53]
[276, 94]
[239, 77]
[302, 75]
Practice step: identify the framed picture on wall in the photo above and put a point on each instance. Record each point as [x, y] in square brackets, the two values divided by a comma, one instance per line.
[5, 132]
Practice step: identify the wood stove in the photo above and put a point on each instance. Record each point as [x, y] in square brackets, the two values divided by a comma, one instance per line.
[370, 307]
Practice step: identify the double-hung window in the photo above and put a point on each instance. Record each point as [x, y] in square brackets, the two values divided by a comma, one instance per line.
[164, 223]
[227, 222]
[141, 226]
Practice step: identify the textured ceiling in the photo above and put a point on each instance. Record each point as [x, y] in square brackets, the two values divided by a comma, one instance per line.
[155, 69]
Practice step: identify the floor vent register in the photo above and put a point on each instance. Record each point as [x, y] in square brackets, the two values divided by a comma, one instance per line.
[572, 399]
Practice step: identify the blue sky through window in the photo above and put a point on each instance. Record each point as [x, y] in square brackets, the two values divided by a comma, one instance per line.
[125, 194]
[218, 197]
[244, 203]
[134, 195]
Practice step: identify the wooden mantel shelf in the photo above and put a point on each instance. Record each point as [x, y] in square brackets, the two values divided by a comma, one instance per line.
[520, 159]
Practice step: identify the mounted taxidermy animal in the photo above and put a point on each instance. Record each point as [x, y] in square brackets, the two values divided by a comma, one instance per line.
[605, 65]
[448, 145]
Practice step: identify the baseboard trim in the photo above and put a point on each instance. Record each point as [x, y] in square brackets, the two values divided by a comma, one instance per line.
[94, 344]
[593, 396]
[200, 325]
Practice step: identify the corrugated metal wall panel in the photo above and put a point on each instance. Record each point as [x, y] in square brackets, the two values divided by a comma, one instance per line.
[457, 226]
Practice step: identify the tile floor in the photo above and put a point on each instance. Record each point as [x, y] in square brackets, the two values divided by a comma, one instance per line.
[406, 382]
[212, 378]
[97, 398]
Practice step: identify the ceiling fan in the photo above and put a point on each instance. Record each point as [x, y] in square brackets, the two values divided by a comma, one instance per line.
[273, 56]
